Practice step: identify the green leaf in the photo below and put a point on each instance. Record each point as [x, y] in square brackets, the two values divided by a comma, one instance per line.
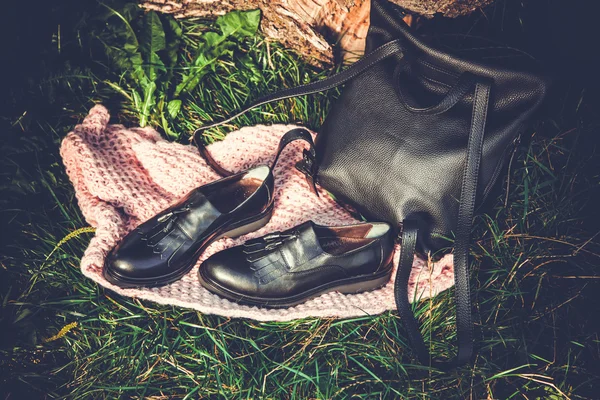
[137, 100]
[191, 81]
[149, 102]
[120, 41]
[153, 35]
[22, 314]
[152, 41]
[166, 128]
[130, 11]
[154, 66]
[210, 42]
[239, 23]
[136, 69]
[173, 107]
[125, 17]
[173, 34]
[248, 63]
[233, 25]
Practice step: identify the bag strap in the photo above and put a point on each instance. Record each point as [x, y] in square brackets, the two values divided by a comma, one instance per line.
[377, 55]
[464, 324]
[307, 166]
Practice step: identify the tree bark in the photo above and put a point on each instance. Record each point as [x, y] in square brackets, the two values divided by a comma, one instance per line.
[309, 26]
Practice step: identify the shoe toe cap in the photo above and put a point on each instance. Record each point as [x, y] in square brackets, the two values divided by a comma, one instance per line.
[123, 265]
[229, 270]
[133, 259]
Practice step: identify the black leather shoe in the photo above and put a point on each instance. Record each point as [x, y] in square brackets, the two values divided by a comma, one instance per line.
[283, 269]
[164, 248]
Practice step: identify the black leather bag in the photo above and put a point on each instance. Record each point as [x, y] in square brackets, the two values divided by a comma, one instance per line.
[418, 138]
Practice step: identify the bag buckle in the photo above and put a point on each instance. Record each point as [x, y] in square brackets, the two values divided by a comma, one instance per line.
[308, 166]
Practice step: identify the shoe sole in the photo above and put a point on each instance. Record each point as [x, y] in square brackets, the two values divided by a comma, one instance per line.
[239, 229]
[357, 284]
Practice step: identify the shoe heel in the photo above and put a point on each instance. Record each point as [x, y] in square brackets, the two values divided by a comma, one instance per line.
[251, 227]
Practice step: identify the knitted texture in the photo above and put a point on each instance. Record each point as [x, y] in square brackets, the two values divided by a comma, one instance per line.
[123, 176]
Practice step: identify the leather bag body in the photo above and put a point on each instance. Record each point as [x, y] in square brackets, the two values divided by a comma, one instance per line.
[418, 139]
[394, 146]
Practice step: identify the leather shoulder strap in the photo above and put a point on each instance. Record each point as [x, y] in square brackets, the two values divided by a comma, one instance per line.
[466, 210]
[464, 324]
[377, 55]
[307, 166]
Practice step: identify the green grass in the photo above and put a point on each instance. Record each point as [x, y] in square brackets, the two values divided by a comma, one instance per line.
[535, 258]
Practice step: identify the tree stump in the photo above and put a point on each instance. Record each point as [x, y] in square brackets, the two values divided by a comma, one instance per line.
[311, 26]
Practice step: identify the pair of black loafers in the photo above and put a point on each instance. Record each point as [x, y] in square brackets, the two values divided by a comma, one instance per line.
[280, 269]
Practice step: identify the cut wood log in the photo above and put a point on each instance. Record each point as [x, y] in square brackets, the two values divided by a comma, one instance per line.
[312, 27]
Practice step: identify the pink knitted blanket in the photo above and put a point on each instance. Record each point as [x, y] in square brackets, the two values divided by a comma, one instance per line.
[123, 176]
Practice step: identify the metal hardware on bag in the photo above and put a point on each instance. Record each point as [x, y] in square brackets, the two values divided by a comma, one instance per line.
[308, 166]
